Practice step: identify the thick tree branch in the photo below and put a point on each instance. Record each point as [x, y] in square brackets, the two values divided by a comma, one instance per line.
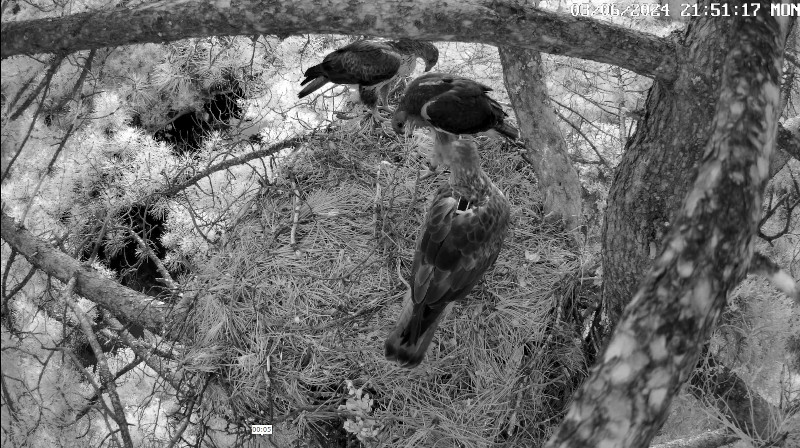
[123, 302]
[546, 148]
[486, 21]
[705, 255]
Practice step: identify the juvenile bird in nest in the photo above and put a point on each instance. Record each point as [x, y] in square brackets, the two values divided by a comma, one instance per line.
[372, 65]
[451, 106]
[461, 238]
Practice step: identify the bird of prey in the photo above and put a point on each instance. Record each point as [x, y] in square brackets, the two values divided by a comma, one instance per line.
[460, 240]
[372, 65]
[451, 106]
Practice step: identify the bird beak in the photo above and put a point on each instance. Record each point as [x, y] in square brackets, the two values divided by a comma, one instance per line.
[397, 128]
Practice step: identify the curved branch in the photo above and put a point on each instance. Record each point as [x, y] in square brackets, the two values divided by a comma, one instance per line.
[478, 21]
[123, 302]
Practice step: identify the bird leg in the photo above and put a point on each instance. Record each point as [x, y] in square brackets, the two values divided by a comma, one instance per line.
[383, 97]
[377, 117]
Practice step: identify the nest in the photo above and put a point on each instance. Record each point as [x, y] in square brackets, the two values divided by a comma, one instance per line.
[294, 310]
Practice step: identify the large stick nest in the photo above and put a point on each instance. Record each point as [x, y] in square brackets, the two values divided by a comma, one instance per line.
[284, 326]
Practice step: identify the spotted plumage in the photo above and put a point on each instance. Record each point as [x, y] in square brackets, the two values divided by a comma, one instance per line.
[372, 65]
[461, 238]
[451, 106]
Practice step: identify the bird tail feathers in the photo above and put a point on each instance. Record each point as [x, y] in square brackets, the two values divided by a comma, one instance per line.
[315, 79]
[507, 131]
[409, 341]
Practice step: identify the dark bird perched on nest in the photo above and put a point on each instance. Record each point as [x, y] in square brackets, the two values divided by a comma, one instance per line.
[372, 65]
[460, 240]
[451, 106]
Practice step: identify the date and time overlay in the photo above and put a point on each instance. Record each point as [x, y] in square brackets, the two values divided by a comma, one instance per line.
[776, 9]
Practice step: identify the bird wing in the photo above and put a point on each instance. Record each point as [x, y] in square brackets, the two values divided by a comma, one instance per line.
[422, 89]
[457, 245]
[364, 62]
[463, 109]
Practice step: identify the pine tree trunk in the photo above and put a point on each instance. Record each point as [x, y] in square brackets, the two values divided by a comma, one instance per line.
[660, 162]
[709, 244]
[546, 148]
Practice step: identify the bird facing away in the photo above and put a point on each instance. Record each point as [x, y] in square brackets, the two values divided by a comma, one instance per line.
[460, 240]
[451, 106]
[372, 65]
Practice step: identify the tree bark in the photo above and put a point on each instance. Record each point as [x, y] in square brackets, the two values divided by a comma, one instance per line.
[706, 253]
[546, 148]
[483, 21]
[660, 161]
[119, 300]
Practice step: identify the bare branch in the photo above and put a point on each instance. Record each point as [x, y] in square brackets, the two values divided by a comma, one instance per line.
[46, 86]
[92, 402]
[145, 248]
[87, 67]
[54, 65]
[102, 364]
[273, 149]
[9, 401]
[602, 159]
